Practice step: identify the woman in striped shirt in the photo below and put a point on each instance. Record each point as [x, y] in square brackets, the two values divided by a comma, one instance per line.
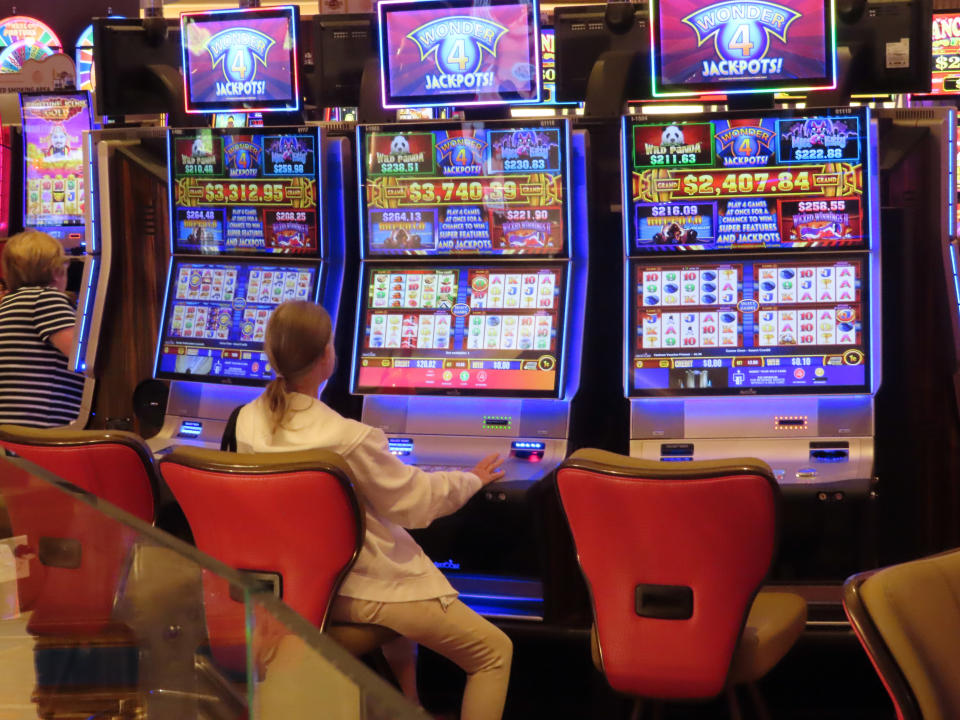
[36, 335]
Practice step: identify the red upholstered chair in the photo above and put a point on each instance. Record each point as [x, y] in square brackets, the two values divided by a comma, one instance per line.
[291, 516]
[114, 465]
[78, 556]
[674, 555]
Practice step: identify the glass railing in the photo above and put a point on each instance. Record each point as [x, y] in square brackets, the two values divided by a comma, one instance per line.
[104, 616]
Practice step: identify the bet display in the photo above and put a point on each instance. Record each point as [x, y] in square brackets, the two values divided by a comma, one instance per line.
[461, 329]
[785, 180]
[742, 46]
[465, 189]
[239, 190]
[240, 60]
[53, 125]
[459, 52]
[793, 324]
[946, 54]
[216, 314]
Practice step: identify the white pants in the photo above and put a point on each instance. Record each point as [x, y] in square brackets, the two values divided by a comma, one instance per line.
[481, 649]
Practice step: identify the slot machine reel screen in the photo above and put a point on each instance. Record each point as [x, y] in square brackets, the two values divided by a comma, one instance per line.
[443, 329]
[459, 52]
[53, 125]
[216, 313]
[240, 60]
[740, 46]
[946, 53]
[252, 190]
[748, 182]
[460, 189]
[779, 326]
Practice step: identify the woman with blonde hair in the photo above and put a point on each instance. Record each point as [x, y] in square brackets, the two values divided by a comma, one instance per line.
[36, 335]
[393, 583]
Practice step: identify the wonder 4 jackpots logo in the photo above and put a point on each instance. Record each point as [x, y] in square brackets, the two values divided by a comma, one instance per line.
[457, 44]
[742, 33]
[237, 51]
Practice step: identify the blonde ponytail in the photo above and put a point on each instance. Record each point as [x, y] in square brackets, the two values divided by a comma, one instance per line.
[298, 333]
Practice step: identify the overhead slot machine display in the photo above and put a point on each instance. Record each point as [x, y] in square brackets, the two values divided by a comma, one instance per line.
[251, 221]
[752, 277]
[472, 282]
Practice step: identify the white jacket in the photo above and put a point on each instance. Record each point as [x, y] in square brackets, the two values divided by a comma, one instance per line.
[391, 567]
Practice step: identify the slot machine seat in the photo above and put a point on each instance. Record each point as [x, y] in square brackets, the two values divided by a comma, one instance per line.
[674, 555]
[75, 594]
[907, 617]
[291, 517]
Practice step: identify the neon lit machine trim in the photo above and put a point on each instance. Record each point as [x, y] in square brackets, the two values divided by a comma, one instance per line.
[256, 218]
[752, 281]
[469, 323]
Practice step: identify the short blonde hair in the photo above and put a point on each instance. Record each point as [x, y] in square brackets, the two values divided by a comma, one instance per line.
[31, 258]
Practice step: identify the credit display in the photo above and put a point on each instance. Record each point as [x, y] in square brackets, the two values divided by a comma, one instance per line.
[216, 316]
[946, 54]
[459, 52]
[737, 46]
[778, 181]
[465, 189]
[461, 330]
[790, 324]
[53, 125]
[240, 60]
[244, 190]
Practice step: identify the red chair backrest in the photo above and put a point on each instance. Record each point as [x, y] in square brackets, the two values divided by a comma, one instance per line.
[77, 556]
[709, 527]
[294, 514]
[112, 465]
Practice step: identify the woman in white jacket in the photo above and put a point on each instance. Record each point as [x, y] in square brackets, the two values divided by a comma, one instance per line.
[393, 583]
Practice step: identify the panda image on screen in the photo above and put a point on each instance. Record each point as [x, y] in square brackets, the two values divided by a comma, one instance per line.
[400, 146]
[672, 136]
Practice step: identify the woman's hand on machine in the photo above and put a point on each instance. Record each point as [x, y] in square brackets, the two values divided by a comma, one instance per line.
[488, 469]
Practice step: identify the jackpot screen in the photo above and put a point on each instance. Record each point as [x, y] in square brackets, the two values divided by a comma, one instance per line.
[784, 325]
[459, 52]
[240, 60]
[244, 190]
[738, 183]
[465, 189]
[734, 46]
[946, 53]
[53, 126]
[461, 330]
[216, 317]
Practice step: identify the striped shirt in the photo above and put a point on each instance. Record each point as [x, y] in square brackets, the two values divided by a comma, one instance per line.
[36, 389]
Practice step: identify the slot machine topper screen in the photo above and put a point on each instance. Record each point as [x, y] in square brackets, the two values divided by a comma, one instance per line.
[742, 46]
[781, 180]
[245, 190]
[53, 125]
[465, 189]
[240, 60]
[461, 329]
[459, 52]
[216, 313]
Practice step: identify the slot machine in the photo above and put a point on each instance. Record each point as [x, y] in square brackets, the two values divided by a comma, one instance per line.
[752, 305]
[57, 200]
[469, 324]
[256, 218]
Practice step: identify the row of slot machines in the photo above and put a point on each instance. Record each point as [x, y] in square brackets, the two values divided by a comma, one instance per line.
[751, 268]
